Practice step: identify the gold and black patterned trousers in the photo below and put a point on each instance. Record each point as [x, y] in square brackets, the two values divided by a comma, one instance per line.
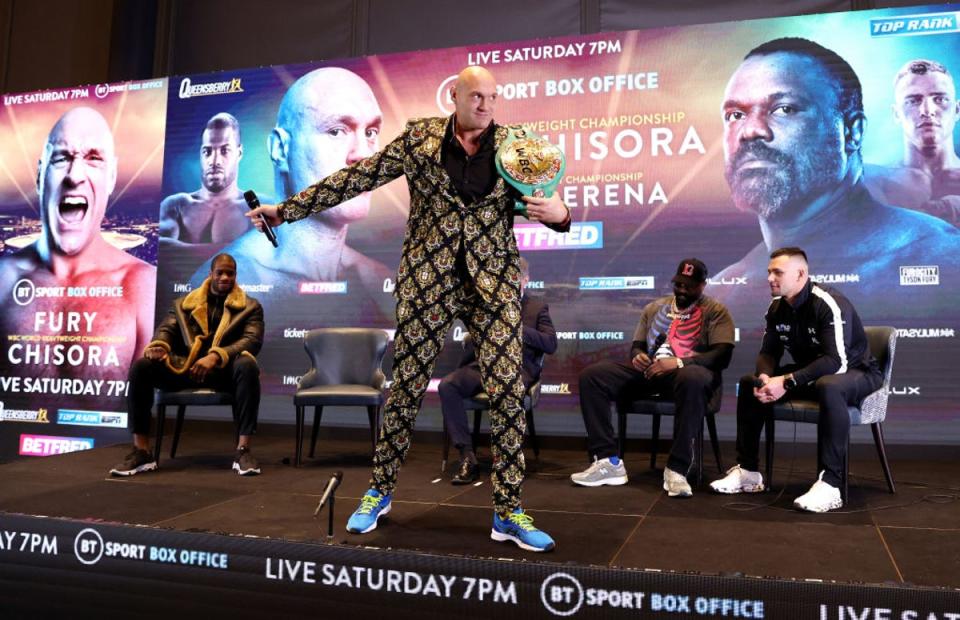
[496, 330]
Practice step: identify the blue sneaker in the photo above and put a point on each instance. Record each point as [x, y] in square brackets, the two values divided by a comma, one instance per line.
[518, 527]
[373, 505]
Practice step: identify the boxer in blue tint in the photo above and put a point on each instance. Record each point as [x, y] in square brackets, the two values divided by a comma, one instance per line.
[328, 119]
[793, 132]
[212, 216]
[926, 109]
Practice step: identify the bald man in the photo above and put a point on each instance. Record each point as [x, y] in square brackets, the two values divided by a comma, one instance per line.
[328, 119]
[926, 108]
[203, 221]
[76, 174]
[459, 260]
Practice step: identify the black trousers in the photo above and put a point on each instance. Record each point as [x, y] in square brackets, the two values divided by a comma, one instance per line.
[462, 383]
[606, 382]
[834, 393]
[240, 377]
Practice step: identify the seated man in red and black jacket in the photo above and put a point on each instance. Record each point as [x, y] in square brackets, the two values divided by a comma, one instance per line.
[209, 339]
[680, 348]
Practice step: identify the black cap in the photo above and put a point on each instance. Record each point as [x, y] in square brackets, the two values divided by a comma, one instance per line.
[691, 272]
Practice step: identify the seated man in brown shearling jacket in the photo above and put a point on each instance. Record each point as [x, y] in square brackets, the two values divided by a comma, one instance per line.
[209, 339]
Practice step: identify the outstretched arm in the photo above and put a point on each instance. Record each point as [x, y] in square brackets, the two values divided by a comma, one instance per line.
[364, 176]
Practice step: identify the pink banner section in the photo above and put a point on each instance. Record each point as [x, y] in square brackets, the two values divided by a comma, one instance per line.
[47, 445]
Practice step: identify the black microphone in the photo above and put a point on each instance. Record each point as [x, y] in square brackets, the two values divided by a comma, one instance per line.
[758, 382]
[657, 343]
[253, 202]
[327, 492]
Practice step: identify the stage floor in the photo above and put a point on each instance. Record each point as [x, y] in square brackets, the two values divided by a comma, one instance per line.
[912, 537]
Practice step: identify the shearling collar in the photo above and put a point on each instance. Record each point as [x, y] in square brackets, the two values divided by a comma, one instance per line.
[236, 299]
[196, 303]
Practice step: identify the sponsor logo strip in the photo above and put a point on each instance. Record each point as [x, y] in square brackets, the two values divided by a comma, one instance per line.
[46, 445]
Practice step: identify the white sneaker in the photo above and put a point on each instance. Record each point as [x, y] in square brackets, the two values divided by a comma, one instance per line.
[675, 484]
[600, 473]
[821, 497]
[739, 480]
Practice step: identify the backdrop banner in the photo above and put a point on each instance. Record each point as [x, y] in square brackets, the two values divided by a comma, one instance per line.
[80, 173]
[830, 132]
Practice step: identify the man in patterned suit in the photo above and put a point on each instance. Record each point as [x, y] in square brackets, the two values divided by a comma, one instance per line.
[459, 260]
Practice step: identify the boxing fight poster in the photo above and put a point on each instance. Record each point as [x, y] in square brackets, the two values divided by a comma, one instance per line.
[656, 171]
[835, 133]
[275, 131]
[80, 172]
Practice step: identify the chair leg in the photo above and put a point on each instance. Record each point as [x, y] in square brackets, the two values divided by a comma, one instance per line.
[769, 429]
[654, 441]
[476, 428]
[298, 448]
[446, 449]
[177, 427]
[621, 432]
[317, 416]
[877, 428]
[699, 454]
[844, 491]
[373, 415]
[714, 440]
[532, 431]
[161, 421]
[820, 467]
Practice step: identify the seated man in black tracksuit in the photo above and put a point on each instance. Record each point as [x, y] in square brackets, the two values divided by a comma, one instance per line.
[539, 337]
[209, 339]
[832, 364]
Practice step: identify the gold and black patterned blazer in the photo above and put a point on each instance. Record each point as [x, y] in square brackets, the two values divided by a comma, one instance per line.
[439, 222]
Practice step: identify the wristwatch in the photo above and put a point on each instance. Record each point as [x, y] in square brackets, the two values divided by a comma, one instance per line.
[789, 382]
[679, 363]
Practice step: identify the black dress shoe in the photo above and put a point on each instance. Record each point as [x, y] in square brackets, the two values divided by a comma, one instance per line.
[466, 473]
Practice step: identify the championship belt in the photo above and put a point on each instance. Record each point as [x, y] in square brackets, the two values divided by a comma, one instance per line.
[530, 164]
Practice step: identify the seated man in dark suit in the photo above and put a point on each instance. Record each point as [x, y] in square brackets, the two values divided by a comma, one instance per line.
[539, 338]
[209, 339]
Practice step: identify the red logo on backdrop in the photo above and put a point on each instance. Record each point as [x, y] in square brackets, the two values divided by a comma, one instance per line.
[687, 269]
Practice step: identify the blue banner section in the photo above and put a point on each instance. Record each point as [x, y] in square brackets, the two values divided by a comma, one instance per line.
[113, 419]
[616, 284]
[930, 23]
